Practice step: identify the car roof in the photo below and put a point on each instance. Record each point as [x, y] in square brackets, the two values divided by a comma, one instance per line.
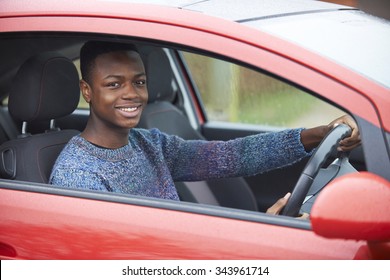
[233, 10]
[291, 20]
[245, 10]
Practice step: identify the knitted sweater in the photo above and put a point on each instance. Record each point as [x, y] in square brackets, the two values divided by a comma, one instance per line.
[152, 161]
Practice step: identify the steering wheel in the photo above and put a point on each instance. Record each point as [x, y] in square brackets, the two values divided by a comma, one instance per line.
[312, 168]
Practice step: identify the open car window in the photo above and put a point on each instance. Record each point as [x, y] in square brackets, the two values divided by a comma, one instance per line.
[236, 94]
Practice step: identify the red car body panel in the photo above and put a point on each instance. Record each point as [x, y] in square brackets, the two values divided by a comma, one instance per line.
[104, 232]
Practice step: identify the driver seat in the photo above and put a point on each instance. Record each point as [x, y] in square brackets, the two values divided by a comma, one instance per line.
[46, 87]
[162, 114]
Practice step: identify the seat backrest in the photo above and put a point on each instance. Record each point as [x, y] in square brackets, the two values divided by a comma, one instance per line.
[45, 87]
[162, 114]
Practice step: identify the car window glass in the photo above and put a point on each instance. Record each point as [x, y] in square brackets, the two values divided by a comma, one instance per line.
[232, 93]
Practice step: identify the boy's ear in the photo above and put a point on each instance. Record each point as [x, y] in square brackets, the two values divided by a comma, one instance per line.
[85, 90]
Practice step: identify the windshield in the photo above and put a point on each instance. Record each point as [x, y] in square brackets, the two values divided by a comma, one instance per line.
[356, 40]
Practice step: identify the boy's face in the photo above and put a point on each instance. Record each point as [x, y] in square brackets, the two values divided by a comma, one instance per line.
[117, 92]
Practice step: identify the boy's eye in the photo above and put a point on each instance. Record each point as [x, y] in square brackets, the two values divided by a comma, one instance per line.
[113, 85]
[140, 82]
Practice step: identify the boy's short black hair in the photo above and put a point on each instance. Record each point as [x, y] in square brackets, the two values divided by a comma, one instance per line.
[92, 49]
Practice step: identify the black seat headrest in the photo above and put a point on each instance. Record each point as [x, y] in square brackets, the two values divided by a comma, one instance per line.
[45, 87]
[160, 76]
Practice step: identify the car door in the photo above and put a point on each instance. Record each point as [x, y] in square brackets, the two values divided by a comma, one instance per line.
[41, 221]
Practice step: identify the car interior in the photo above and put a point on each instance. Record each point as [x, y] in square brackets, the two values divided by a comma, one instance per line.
[39, 113]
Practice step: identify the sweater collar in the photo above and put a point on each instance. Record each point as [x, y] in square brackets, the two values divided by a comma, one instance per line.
[101, 152]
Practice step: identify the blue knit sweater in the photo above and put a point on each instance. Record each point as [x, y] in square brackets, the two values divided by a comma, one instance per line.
[152, 161]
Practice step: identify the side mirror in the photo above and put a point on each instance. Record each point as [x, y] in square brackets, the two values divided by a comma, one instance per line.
[355, 206]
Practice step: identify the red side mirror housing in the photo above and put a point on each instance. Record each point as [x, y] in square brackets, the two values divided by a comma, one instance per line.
[354, 206]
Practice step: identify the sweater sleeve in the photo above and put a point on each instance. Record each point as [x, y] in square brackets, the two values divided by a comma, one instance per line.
[199, 160]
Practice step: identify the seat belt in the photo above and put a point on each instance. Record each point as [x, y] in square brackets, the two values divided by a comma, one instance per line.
[7, 124]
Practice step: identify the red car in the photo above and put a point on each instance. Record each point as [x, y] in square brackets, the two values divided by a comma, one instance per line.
[216, 70]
